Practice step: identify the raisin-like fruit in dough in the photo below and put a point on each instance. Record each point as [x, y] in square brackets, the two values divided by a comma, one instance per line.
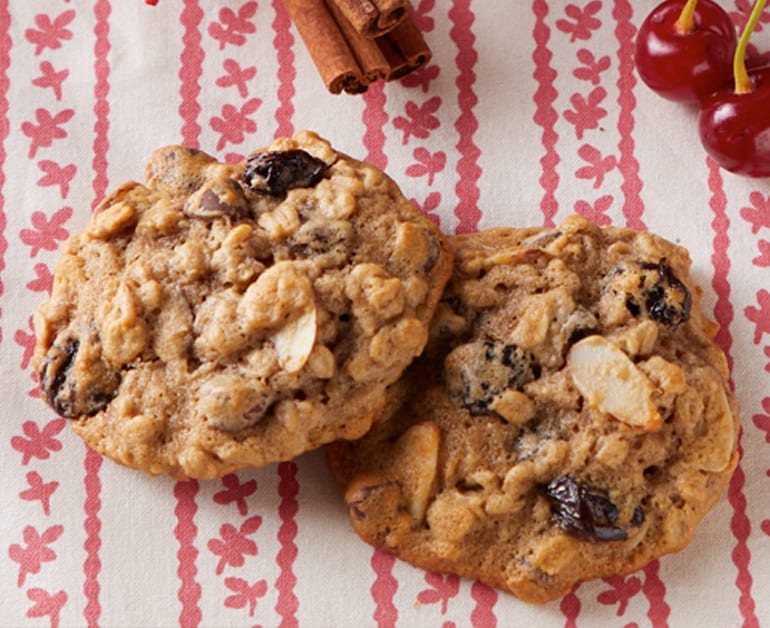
[666, 298]
[68, 394]
[657, 292]
[583, 510]
[277, 172]
[479, 371]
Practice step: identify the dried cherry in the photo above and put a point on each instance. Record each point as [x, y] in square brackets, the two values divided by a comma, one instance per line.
[277, 172]
[583, 510]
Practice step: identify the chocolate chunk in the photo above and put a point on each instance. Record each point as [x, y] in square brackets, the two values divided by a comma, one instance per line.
[277, 172]
[583, 510]
[216, 199]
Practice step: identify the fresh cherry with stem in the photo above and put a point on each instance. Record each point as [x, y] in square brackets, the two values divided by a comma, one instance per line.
[734, 123]
[684, 49]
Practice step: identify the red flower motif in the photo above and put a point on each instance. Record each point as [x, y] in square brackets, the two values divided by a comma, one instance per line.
[44, 280]
[741, 15]
[38, 443]
[51, 78]
[592, 67]
[428, 164]
[765, 526]
[767, 353]
[762, 421]
[57, 175]
[236, 76]
[233, 27]
[582, 22]
[235, 123]
[420, 120]
[597, 212]
[47, 129]
[763, 259]
[234, 545]
[760, 316]
[46, 605]
[244, 594]
[236, 492]
[46, 233]
[39, 491]
[621, 592]
[586, 113]
[758, 215]
[36, 552]
[443, 589]
[27, 341]
[422, 77]
[420, 15]
[50, 34]
[598, 166]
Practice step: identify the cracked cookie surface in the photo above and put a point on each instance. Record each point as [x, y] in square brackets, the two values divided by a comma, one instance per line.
[570, 417]
[222, 316]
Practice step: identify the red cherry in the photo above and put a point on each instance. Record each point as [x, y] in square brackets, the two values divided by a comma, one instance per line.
[735, 128]
[686, 63]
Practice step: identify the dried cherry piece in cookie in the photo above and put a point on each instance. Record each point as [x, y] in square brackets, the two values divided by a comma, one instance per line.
[69, 393]
[583, 510]
[277, 172]
[479, 371]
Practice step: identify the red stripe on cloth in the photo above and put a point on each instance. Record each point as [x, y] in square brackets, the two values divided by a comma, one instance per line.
[284, 47]
[724, 315]
[545, 113]
[102, 10]
[93, 461]
[288, 489]
[375, 118]
[467, 190]
[483, 615]
[384, 589]
[185, 531]
[5, 61]
[655, 591]
[633, 207]
[93, 543]
[190, 72]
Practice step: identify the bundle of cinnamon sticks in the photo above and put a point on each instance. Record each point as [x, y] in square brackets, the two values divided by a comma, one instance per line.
[354, 43]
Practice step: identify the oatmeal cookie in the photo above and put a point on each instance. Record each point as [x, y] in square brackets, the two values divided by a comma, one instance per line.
[222, 316]
[570, 418]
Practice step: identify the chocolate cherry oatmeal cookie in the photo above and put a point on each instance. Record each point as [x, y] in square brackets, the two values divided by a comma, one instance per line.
[570, 418]
[226, 316]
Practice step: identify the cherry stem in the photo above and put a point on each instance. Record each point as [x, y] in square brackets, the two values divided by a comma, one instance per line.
[743, 82]
[686, 22]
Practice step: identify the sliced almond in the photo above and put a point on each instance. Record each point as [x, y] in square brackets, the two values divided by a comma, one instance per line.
[415, 461]
[294, 341]
[610, 382]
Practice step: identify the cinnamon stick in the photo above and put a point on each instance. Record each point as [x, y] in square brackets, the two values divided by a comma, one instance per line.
[325, 43]
[405, 49]
[371, 61]
[373, 18]
[346, 60]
